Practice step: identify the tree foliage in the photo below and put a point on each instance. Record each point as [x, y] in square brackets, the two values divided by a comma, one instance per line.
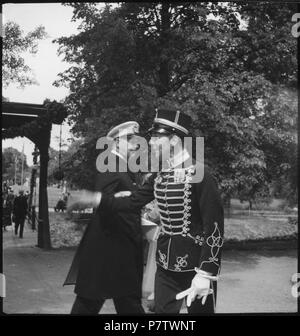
[231, 66]
[12, 163]
[15, 43]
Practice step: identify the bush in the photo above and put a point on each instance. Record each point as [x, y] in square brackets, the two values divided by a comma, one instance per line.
[64, 232]
[293, 220]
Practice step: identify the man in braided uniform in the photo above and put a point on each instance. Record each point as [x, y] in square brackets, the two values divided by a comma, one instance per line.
[192, 220]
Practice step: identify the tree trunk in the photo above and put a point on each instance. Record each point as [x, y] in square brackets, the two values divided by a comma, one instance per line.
[227, 206]
[44, 240]
[163, 74]
[32, 186]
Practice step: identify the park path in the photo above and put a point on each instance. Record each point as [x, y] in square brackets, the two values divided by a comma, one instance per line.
[251, 281]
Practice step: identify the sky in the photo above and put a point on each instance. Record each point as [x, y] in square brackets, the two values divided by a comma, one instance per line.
[46, 64]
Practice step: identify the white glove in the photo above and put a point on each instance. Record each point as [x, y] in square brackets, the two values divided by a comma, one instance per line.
[200, 287]
[122, 194]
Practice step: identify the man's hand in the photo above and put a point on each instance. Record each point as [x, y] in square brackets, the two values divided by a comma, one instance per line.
[86, 199]
[200, 287]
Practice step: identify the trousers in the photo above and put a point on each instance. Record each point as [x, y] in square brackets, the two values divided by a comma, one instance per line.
[19, 222]
[168, 284]
[123, 305]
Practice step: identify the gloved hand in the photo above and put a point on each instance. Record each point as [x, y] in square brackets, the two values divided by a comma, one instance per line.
[200, 287]
[122, 194]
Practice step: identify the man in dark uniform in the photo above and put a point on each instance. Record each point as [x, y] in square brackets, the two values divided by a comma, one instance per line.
[109, 260]
[192, 220]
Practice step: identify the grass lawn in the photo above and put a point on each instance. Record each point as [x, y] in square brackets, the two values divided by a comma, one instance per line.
[65, 233]
[276, 204]
[53, 195]
[258, 228]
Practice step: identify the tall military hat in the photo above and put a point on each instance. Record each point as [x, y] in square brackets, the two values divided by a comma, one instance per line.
[168, 121]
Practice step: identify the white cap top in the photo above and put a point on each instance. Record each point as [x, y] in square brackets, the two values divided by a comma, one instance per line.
[127, 128]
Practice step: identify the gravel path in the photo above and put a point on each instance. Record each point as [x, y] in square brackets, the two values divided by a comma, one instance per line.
[251, 281]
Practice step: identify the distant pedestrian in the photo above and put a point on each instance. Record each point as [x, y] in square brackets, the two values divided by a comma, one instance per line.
[6, 214]
[65, 198]
[10, 196]
[7, 207]
[60, 205]
[20, 208]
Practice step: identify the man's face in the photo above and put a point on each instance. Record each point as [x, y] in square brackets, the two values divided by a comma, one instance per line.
[128, 145]
[160, 146]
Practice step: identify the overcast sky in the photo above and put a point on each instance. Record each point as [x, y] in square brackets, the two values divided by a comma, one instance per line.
[46, 64]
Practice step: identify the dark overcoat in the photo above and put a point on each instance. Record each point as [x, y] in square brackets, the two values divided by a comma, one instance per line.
[20, 207]
[109, 260]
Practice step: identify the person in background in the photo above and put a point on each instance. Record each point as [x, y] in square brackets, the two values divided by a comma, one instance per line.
[8, 208]
[27, 195]
[65, 198]
[6, 211]
[20, 208]
[11, 198]
[60, 205]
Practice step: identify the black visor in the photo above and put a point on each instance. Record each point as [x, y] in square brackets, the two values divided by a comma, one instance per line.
[164, 130]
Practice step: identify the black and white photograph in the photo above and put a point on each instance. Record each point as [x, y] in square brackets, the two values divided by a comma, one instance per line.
[150, 160]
